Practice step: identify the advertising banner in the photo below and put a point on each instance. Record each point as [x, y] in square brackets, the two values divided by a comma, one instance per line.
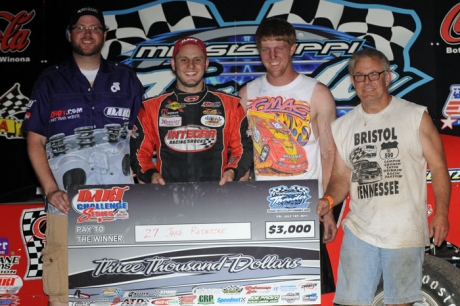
[195, 244]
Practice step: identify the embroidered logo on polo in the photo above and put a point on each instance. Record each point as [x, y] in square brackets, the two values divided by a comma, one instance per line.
[213, 120]
[115, 87]
[191, 138]
[117, 112]
[191, 98]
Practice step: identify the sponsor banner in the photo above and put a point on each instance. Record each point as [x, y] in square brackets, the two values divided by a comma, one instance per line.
[195, 244]
[21, 242]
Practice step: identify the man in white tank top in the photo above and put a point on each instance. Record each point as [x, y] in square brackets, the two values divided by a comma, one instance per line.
[290, 118]
[383, 147]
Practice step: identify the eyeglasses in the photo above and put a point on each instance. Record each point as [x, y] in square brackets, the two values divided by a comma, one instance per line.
[82, 29]
[373, 76]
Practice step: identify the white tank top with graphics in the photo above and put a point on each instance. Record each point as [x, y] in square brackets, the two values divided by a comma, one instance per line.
[285, 146]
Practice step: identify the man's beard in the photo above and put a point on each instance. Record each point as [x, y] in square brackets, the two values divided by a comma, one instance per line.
[80, 51]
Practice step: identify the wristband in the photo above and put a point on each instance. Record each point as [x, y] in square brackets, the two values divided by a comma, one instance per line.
[331, 201]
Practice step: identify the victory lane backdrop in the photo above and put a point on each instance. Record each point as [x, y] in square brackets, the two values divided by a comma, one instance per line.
[410, 28]
[255, 241]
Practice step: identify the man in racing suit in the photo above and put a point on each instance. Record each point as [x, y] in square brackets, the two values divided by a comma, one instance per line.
[197, 133]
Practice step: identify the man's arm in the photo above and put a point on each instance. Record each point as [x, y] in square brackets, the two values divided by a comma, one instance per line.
[240, 146]
[323, 113]
[142, 148]
[37, 155]
[434, 154]
[243, 94]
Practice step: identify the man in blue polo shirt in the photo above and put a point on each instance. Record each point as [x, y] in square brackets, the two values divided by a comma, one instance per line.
[78, 126]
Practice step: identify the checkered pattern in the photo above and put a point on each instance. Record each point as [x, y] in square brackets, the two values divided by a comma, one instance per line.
[33, 244]
[13, 102]
[160, 21]
[386, 30]
[208, 142]
[281, 189]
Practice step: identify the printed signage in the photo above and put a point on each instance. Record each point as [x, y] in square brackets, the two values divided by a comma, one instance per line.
[195, 244]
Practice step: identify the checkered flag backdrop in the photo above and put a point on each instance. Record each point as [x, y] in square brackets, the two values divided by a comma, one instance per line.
[13, 102]
[386, 30]
[34, 244]
[129, 28]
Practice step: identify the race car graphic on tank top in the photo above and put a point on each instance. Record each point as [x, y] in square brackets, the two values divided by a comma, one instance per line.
[276, 150]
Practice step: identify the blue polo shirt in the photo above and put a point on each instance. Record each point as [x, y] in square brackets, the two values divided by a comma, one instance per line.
[62, 99]
[86, 126]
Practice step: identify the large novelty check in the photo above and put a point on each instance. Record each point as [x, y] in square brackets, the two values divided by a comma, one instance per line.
[194, 244]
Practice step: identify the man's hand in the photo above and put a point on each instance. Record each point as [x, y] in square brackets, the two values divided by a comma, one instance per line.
[330, 227]
[59, 199]
[439, 227]
[228, 176]
[158, 179]
[323, 207]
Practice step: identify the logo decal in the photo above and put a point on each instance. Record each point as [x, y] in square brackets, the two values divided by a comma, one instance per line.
[4, 246]
[170, 121]
[211, 104]
[117, 112]
[175, 106]
[191, 138]
[101, 205]
[451, 109]
[14, 38]
[115, 87]
[191, 98]
[284, 199]
[449, 26]
[213, 120]
[13, 106]
[33, 225]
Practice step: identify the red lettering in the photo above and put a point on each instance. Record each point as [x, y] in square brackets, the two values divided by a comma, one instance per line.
[205, 134]
[102, 195]
[197, 134]
[289, 106]
[85, 215]
[173, 134]
[7, 282]
[15, 38]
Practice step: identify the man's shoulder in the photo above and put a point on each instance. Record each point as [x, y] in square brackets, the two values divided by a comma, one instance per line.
[158, 98]
[61, 67]
[256, 81]
[346, 118]
[119, 67]
[406, 104]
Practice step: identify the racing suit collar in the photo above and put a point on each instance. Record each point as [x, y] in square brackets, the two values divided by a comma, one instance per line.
[191, 97]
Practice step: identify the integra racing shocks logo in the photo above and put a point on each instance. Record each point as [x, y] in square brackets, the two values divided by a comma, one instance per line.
[101, 205]
[284, 199]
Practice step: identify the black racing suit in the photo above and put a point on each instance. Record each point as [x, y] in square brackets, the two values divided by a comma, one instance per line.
[191, 137]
